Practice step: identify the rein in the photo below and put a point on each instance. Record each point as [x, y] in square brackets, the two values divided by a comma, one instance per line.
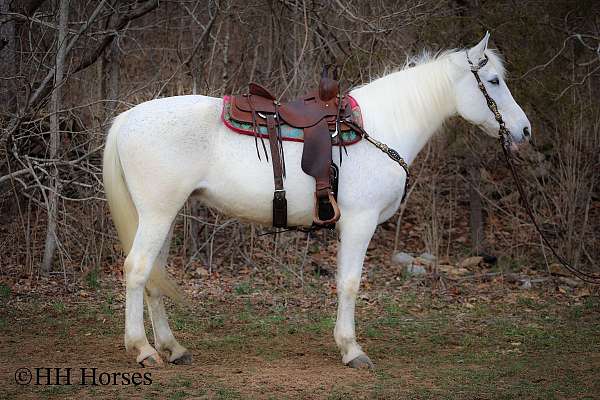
[505, 141]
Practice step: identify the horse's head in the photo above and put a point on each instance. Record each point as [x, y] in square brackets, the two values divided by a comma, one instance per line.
[470, 100]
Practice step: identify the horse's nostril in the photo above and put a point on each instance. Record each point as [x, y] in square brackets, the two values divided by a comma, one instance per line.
[526, 132]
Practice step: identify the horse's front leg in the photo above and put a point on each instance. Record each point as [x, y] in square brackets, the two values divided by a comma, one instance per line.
[355, 233]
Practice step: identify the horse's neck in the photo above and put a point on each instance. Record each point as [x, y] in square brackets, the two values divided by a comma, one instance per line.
[404, 109]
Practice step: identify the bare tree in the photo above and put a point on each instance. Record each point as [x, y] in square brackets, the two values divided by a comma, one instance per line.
[54, 189]
[7, 57]
[51, 137]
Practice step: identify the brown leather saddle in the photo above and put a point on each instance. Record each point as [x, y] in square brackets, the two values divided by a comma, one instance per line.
[319, 114]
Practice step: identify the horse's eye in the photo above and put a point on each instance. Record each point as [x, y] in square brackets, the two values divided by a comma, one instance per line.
[495, 81]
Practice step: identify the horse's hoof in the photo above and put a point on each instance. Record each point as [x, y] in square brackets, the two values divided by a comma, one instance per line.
[361, 362]
[184, 359]
[152, 361]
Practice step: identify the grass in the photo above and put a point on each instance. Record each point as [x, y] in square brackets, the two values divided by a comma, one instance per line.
[92, 279]
[57, 391]
[59, 307]
[4, 291]
[320, 325]
[243, 288]
[227, 393]
[532, 347]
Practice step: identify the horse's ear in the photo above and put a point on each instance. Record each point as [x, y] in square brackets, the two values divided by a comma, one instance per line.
[476, 53]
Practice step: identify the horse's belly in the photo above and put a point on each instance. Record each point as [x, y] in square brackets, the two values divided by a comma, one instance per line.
[240, 185]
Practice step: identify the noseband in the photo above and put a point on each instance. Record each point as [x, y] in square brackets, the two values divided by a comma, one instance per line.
[505, 141]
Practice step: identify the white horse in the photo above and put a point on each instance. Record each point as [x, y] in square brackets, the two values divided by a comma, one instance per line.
[160, 152]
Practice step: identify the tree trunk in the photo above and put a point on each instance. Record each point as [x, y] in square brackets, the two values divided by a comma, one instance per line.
[475, 210]
[55, 104]
[7, 60]
[468, 10]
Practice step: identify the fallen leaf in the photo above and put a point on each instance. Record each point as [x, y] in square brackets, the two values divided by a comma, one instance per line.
[471, 262]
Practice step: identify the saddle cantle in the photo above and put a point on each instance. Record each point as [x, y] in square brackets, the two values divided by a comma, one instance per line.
[317, 115]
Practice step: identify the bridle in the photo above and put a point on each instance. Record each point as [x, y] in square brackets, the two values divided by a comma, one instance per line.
[503, 132]
[505, 141]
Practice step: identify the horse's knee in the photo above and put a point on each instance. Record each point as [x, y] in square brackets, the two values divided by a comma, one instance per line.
[128, 265]
[348, 287]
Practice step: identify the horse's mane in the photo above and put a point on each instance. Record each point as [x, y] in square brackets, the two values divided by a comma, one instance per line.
[417, 90]
[427, 56]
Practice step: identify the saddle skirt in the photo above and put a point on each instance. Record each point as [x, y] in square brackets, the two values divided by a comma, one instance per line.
[289, 132]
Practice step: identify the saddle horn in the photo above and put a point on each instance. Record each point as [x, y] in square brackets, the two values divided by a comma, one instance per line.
[328, 87]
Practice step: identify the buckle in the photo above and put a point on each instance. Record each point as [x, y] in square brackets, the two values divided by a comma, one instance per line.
[279, 194]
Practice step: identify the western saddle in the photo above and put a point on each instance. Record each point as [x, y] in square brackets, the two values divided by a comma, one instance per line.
[319, 114]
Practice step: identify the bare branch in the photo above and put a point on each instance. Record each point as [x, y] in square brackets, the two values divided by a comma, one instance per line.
[187, 61]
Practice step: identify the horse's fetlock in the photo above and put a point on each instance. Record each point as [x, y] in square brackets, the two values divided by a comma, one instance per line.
[344, 340]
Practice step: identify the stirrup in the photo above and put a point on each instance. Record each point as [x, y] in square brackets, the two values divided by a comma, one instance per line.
[331, 202]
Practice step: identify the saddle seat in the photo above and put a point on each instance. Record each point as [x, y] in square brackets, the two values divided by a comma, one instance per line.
[303, 112]
[318, 114]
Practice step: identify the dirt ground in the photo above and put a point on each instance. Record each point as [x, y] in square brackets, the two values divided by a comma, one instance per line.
[267, 336]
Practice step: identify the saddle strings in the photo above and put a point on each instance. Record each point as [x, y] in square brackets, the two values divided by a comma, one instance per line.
[255, 130]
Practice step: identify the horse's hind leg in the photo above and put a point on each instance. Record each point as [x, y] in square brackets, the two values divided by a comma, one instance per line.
[163, 336]
[152, 231]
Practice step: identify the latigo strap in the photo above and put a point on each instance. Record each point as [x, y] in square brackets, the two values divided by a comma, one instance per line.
[279, 200]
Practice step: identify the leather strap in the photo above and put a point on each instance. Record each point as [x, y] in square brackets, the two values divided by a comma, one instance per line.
[275, 152]
[279, 200]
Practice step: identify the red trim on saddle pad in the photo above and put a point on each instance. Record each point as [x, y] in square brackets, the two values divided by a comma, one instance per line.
[356, 115]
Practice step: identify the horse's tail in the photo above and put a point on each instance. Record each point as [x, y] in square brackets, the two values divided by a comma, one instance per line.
[123, 211]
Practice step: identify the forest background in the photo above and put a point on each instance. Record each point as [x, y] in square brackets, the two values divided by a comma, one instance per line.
[68, 67]
[448, 323]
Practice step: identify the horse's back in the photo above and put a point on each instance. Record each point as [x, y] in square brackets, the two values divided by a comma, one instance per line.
[175, 112]
[169, 124]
